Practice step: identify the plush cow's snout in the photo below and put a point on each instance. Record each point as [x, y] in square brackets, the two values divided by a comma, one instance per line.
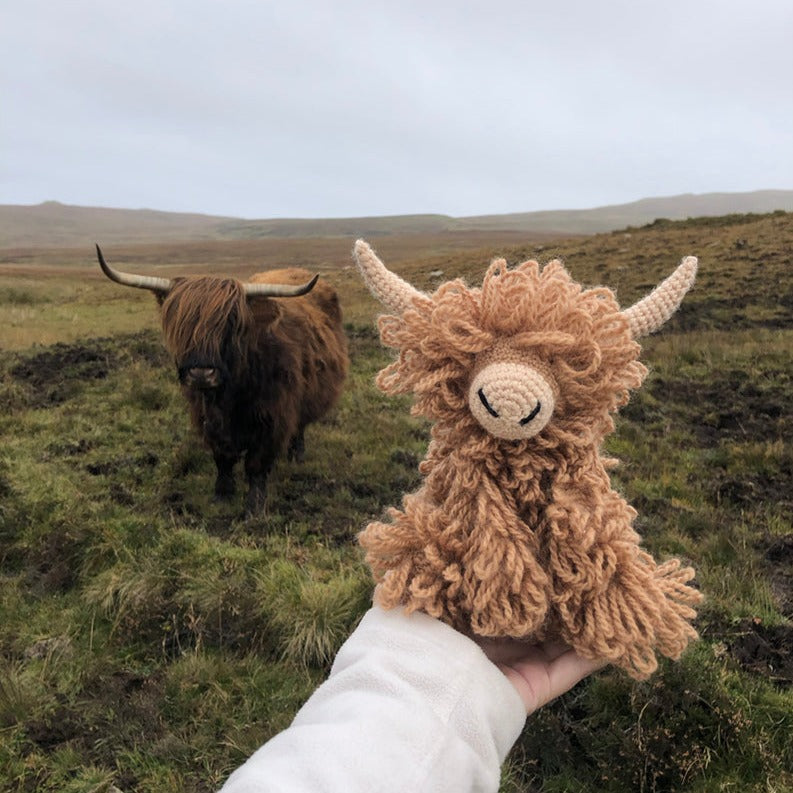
[511, 400]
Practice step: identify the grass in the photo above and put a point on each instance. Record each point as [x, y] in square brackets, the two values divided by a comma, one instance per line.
[151, 639]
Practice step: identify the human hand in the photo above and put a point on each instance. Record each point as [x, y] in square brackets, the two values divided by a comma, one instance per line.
[539, 672]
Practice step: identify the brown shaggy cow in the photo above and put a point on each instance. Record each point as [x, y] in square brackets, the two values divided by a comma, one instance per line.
[257, 362]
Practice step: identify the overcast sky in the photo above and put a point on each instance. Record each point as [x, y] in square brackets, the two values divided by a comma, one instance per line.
[336, 108]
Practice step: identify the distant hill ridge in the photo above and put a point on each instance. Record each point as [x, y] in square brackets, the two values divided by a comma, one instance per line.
[52, 224]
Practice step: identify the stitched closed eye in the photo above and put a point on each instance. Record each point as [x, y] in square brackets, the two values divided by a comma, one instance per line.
[531, 415]
[488, 406]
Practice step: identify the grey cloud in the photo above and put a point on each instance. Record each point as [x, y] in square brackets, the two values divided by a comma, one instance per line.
[350, 107]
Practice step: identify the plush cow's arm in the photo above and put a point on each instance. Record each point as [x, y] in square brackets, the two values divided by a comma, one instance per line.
[469, 561]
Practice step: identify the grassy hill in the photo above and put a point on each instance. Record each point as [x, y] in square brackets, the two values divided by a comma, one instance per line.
[53, 224]
[151, 639]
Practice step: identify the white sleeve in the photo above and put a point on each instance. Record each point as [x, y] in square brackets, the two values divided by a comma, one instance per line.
[410, 705]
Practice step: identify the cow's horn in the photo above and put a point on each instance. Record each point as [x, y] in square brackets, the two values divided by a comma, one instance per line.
[394, 293]
[279, 290]
[652, 311]
[153, 283]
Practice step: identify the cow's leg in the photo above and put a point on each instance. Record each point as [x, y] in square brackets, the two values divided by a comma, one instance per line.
[258, 465]
[224, 483]
[297, 446]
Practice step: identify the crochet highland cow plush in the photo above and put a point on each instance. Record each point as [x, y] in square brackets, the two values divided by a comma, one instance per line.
[516, 531]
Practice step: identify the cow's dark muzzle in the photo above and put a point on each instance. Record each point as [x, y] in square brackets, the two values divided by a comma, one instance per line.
[202, 378]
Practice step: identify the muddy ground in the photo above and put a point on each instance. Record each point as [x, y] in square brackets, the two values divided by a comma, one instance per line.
[60, 372]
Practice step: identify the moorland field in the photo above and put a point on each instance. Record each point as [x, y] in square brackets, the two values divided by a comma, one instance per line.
[151, 638]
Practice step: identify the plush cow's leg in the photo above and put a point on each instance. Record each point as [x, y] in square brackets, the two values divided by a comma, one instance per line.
[642, 609]
[224, 483]
[609, 596]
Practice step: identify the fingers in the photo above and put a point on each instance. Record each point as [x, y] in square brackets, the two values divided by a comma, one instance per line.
[539, 680]
[507, 651]
[567, 670]
[540, 672]
[552, 650]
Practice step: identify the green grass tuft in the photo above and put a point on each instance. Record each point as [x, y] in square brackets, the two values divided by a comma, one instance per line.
[311, 618]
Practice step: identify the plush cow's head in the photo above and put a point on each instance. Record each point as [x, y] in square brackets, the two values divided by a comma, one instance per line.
[529, 354]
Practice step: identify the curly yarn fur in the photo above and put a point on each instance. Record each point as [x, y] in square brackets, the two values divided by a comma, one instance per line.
[525, 538]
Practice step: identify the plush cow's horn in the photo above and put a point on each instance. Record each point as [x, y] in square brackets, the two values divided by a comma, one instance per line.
[394, 293]
[153, 283]
[651, 312]
[279, 290]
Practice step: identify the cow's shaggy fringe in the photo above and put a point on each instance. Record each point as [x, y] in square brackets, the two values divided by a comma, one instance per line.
[525, 538]
[206, 313]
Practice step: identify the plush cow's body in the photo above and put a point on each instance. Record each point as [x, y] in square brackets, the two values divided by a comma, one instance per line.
[516, 530]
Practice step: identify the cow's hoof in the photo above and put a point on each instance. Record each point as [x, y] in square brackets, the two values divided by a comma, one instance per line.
[223, 494]
[256, 504]
[224, 488]
[297, 449]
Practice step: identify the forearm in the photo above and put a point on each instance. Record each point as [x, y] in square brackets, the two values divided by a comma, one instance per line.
[410, 704]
